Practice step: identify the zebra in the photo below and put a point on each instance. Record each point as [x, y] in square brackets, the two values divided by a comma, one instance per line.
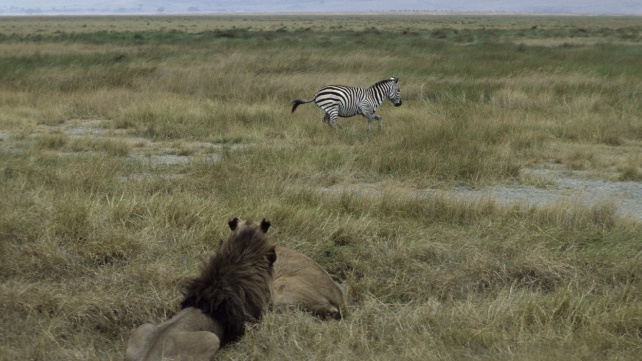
[345, 101]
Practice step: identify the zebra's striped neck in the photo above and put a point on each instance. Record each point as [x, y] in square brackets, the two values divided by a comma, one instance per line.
[379, 91]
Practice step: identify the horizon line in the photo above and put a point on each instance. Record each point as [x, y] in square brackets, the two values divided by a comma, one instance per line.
[374, 12]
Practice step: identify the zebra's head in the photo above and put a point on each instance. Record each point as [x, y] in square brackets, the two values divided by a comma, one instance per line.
[394, 93]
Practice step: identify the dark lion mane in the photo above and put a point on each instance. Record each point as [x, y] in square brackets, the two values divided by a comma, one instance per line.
[234, 284]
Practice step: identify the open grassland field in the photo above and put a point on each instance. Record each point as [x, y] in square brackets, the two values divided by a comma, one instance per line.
[126, 143]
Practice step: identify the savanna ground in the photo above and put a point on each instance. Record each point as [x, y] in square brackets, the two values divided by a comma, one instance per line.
[126, 143]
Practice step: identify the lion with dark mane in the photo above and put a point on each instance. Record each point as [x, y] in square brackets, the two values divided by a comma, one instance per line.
[232, 289]
[300, 282]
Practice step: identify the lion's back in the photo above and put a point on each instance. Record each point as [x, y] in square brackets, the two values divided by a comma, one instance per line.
[301, 282]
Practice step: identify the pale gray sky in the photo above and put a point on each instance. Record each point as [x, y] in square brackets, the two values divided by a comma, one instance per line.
[98, 7]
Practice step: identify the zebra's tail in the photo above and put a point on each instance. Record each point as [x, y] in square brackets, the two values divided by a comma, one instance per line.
[297, 102]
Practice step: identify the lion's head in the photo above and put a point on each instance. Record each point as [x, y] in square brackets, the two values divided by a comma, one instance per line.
[300, 282]
[234, 285]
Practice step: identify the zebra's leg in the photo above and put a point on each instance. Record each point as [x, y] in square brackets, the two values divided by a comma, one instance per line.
[380, 119]
[333, 122]
[332, 115]
[369, 114]
[373, 116]
[326, 118]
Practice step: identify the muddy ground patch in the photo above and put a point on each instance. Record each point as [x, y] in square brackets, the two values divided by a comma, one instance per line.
[555, 184]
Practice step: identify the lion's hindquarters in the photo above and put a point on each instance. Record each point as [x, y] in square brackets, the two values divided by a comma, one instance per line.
[138, 343]
[191, 345]
[189, 335]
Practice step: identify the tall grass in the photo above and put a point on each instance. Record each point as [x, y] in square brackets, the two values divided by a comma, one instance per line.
[97, 237]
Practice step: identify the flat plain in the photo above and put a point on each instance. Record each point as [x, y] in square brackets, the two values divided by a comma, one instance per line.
[126, 143]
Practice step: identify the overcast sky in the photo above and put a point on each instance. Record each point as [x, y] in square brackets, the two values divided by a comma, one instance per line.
[103, 7]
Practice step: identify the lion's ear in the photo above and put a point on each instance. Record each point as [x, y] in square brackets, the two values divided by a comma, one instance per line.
[233, 223]
[272, 256]
[265, 225]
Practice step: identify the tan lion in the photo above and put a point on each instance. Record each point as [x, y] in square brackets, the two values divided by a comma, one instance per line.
[302, 283]
[232, 289]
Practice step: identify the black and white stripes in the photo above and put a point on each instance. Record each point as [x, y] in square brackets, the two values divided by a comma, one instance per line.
[344, 101]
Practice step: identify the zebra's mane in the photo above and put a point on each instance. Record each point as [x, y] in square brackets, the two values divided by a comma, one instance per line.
[382, 82]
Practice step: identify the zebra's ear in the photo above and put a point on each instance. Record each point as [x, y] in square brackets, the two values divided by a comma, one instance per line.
[395, 79]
